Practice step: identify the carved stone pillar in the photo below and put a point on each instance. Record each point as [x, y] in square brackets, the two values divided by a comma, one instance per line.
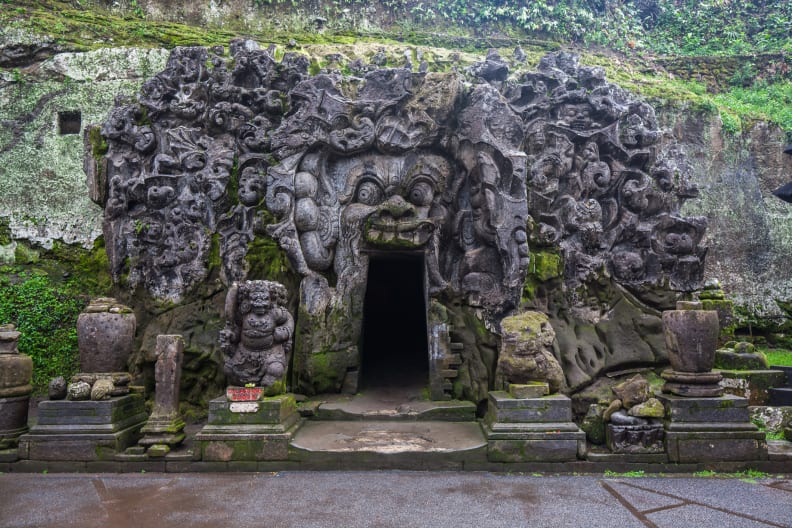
[165, 427]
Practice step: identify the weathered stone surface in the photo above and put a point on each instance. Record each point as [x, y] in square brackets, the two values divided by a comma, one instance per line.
[257, 339]
[78, 391]
[503, 408]
[621, 417]
[753, 385]
[691, 339]
[535, 389]
[647, 438]
[165, 426]
[16, 371]
[772, 419]
[102, 389]
[724, 409]
[613, 406]
[740, 357]
[593, 424]
[105, 334]
[526, 352]
[84, 430]
[633, 391]
[651, 408]
[57, 388]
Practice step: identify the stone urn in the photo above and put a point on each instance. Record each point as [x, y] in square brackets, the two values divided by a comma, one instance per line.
[691, 337]
[105, 334]
[16, 371]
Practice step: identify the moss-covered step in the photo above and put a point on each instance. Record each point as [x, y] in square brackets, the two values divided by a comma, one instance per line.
[751, 384]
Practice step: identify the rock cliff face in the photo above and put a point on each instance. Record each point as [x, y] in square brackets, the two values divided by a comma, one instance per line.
[750, 231]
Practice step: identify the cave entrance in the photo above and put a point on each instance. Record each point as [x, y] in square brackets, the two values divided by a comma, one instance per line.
[395, 347]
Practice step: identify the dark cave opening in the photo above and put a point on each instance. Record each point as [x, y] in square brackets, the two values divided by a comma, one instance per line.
[395, 348]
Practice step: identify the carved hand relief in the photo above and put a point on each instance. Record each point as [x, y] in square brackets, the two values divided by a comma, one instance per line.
[473, 177]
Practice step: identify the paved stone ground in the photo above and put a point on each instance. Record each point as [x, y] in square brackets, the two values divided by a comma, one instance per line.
[389, 499]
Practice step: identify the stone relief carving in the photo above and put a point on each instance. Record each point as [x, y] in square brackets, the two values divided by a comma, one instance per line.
[257, 339]
[472, 171]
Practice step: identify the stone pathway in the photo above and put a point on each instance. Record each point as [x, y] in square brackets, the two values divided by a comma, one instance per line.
[389, 499]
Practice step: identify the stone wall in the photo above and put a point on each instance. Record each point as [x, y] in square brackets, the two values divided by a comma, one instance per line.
[43, 109]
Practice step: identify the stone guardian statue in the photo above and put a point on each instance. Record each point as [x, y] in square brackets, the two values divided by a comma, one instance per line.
[257, 339]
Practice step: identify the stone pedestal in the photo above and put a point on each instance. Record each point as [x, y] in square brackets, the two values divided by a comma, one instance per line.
[249, 430]
[532, 429]
[711, 430]
[16, 371]
[165, 426]
[84, 430]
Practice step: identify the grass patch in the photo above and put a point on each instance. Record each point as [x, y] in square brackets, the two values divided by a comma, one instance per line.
[630, 474]
[778, 357]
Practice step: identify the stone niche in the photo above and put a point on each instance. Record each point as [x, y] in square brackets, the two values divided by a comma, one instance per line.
[412, 205]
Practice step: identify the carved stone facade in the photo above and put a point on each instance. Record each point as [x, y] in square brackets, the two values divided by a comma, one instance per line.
[467, 173]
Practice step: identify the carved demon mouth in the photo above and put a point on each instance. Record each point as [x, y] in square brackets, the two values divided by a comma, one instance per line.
[389, 233]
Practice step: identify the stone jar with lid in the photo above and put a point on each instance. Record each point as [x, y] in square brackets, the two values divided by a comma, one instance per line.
[105, 335]
[16, 371]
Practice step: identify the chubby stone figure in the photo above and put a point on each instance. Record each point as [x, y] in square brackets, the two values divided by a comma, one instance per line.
[256, 341]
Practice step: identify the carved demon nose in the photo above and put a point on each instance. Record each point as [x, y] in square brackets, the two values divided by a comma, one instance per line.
[398, 208]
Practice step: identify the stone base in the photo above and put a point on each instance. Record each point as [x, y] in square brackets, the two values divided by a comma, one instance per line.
[692, 384]
[257, 430]
[751, 384]
[532, 429]
[84, 430]
[163, 430]
[13, 420]
[711, 430]
[635, 439]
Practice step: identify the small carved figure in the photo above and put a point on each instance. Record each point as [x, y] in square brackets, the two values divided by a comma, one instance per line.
[257, 338]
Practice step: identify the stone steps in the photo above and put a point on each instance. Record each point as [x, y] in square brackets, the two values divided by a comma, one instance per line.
[388, 444]
[781, 395]
[352, 410]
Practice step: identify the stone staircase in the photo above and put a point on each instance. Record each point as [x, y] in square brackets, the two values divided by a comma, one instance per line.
[388, 428]
[781, 396]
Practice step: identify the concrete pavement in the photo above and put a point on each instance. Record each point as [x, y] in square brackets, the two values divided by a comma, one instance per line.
[389, 499]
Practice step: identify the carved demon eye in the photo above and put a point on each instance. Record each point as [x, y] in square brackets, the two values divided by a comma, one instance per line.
[369, 193]
[421, 194]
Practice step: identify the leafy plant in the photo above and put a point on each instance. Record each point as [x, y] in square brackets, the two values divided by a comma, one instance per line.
[46, 316]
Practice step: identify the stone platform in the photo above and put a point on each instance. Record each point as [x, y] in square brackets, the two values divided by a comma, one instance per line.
[84, 430]
[711, 430]
[248, 430]
[532, 429]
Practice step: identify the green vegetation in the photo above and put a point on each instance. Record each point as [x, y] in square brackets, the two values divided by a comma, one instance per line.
[632, 474]
[781, 358]
[46, 315]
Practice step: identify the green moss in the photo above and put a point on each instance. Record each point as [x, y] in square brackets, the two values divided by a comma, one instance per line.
[46, 315]
[5, 232]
